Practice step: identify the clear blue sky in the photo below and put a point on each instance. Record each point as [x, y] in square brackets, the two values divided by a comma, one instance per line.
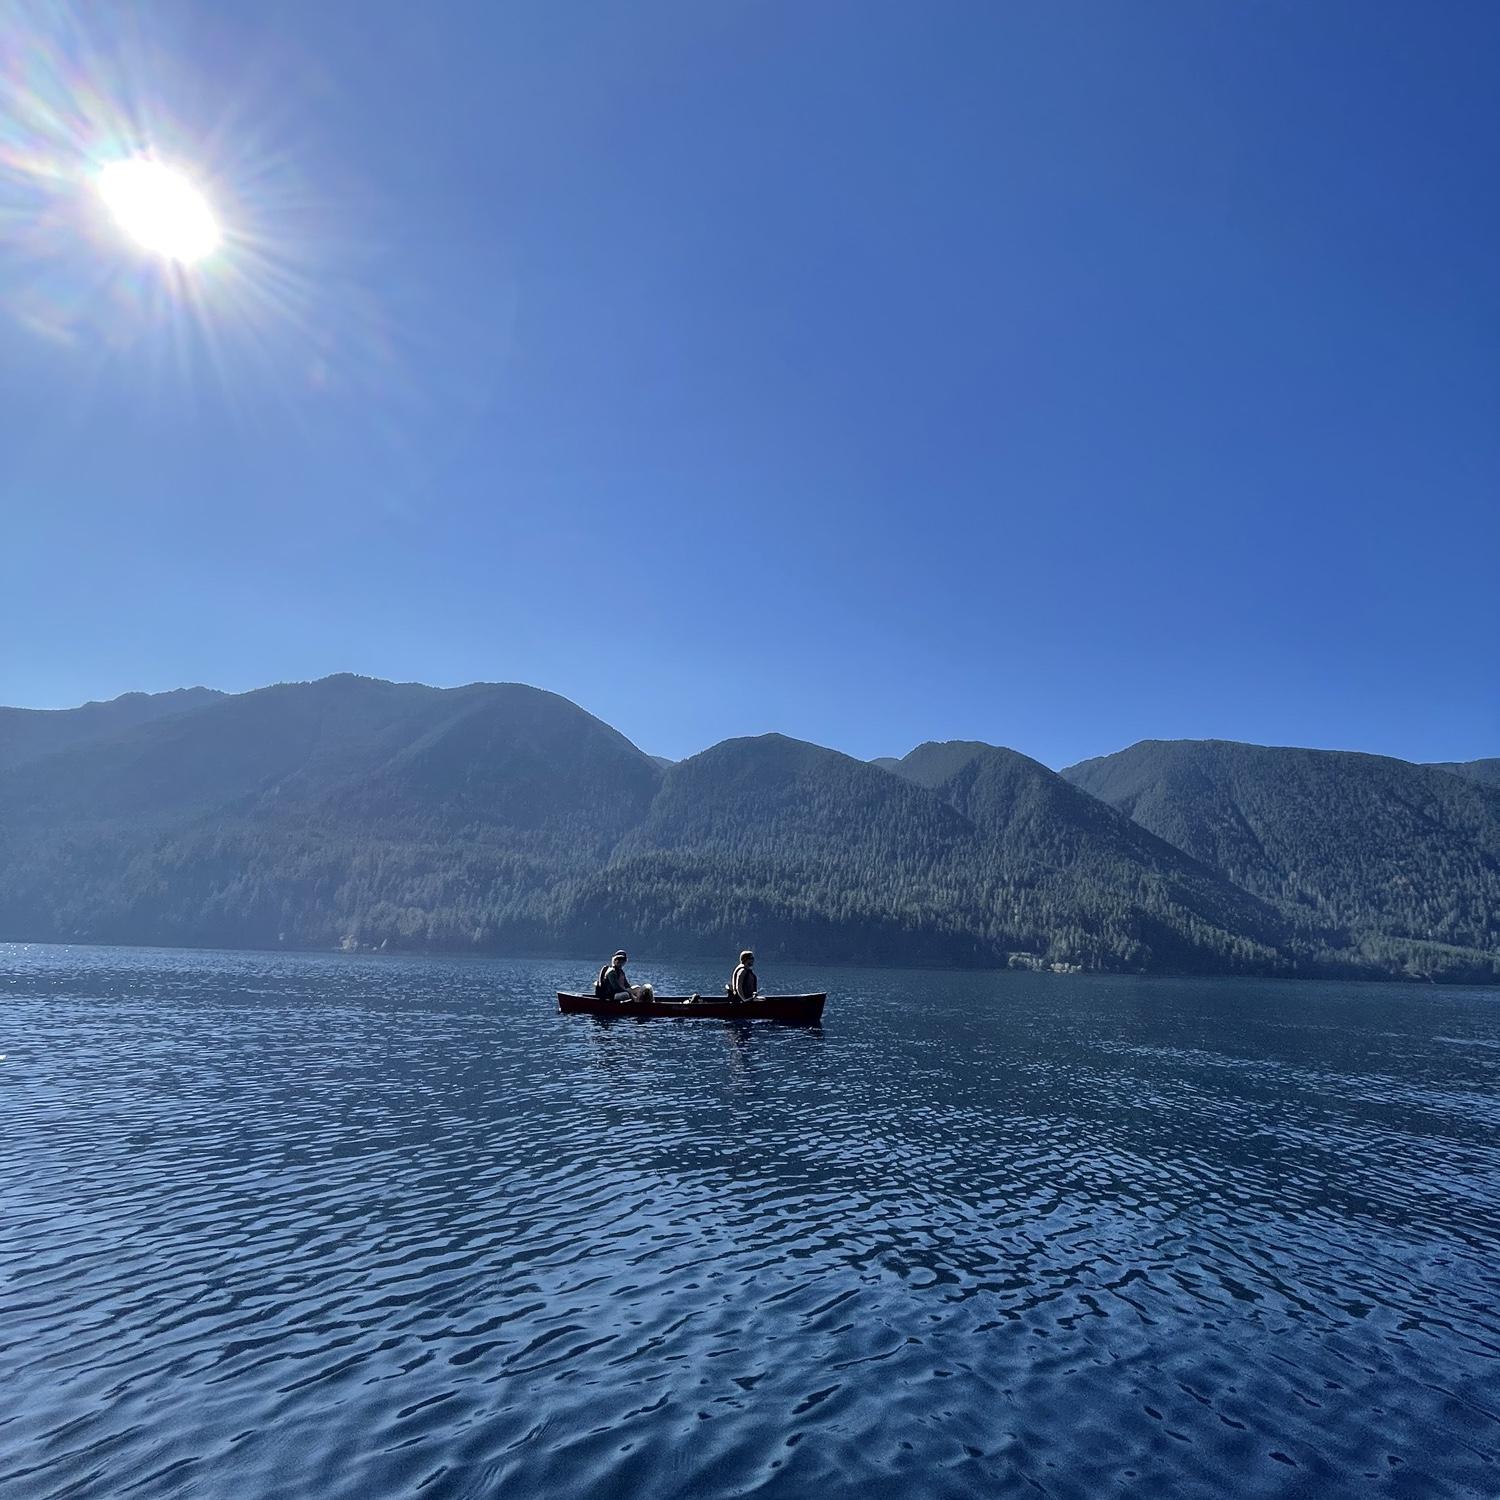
[1053, 374]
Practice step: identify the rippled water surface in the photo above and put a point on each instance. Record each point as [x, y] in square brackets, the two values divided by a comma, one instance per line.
[316, 1226]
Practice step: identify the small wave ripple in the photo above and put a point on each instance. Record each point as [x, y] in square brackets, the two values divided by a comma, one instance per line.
[291, 1226]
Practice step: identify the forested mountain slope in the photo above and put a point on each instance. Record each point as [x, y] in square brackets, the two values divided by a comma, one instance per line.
[316, 813]
[820, 853]
[498, 817]
[811, 851]
[1486, 772]
[1078, 850]
[30, 733]
[1396, 863]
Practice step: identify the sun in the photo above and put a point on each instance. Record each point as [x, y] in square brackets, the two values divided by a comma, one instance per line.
[159, 208]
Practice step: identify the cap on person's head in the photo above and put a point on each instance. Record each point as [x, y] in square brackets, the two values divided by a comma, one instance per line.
[619, 958]
[747, 957]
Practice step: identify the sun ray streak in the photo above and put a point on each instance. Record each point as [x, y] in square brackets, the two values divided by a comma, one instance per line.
[304, 310]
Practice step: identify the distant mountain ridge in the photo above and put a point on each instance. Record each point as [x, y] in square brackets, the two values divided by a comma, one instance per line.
[499, 817]
[1393, 862]
[30, 733]
[1487, 772]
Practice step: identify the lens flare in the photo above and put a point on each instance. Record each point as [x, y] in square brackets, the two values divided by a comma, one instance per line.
[263, 284]
[159, 208]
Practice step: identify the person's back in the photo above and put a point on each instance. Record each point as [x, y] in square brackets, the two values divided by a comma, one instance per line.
[744, 985]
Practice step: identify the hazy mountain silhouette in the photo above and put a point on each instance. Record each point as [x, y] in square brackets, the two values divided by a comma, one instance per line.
[30, 733]
[314, 813]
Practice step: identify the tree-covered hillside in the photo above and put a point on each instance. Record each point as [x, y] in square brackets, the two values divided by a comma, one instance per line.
[801, 850]
[1120, 887]
[1393, 863]
[1486, 772]
[498, 817]
[821, 855]
[342, 811]
[31, 733]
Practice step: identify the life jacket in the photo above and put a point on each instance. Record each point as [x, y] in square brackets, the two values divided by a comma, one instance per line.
[608, 992]
[734, 983]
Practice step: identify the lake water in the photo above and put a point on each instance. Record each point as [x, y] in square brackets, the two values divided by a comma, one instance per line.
[351, 1227]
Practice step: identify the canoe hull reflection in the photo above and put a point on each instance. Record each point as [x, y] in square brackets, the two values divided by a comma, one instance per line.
[799, 1009]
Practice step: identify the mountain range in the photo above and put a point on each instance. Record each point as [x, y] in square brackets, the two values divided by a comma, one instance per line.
[496, 817]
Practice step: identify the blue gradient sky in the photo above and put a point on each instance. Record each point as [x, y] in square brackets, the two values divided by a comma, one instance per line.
[1057, 375]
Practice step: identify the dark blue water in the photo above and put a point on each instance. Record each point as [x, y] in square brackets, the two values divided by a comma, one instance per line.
[303, 1226]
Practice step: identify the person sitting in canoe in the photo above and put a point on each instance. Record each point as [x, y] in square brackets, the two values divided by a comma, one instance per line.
[613, 985]
[743, 985]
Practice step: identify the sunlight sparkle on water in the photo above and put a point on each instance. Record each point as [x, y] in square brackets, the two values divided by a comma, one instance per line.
[159, 208]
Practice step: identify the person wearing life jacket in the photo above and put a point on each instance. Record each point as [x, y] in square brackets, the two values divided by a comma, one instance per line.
[613, 985]
[744, 984]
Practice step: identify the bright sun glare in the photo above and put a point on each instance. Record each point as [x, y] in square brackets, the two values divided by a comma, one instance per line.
[159, 208]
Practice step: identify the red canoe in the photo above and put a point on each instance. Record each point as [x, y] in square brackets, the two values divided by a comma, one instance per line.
[797, 1008]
